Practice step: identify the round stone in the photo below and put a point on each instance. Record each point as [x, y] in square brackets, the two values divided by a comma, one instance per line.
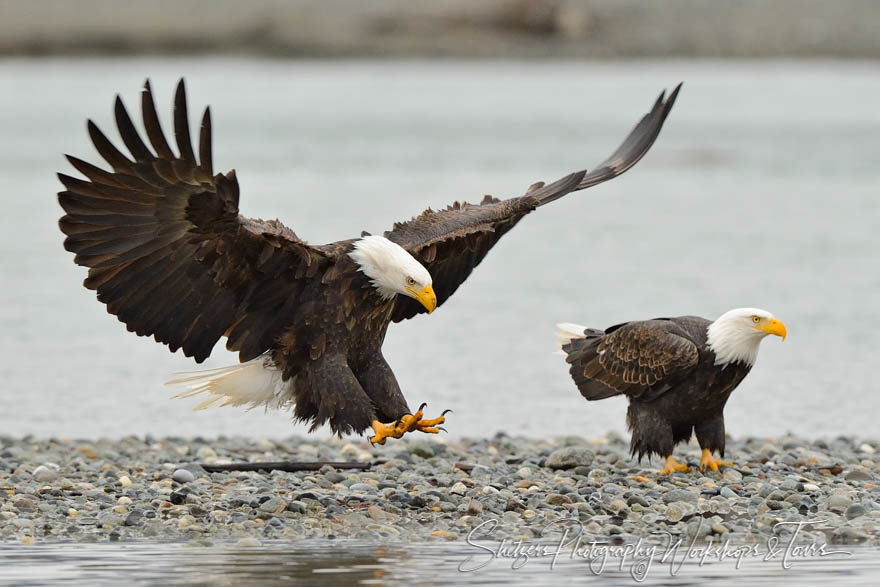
[838, 502]
[45, 474]
[854, 511]
[570, 457]
[674, 495]
[183, 476]
[475, 508]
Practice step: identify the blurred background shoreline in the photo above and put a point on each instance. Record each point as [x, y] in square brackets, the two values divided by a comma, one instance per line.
[510, 29]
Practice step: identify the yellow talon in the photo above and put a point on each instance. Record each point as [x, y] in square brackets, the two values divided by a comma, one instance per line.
[406, 423]
[708, 461]
[673, 466]
[384, 431]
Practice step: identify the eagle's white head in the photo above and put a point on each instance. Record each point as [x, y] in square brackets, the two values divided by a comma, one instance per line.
[393, 271]
[735, 336]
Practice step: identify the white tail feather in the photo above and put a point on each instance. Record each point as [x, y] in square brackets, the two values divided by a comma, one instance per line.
[568, 332]
[255, 383]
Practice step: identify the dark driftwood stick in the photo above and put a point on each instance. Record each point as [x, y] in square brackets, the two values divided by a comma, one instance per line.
[290, 466]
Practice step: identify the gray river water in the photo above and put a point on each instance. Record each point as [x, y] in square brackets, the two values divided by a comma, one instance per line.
[761, 191]
[356, 563]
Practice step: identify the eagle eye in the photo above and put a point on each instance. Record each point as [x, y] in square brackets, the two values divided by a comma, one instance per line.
[756, 319]
[410, 281]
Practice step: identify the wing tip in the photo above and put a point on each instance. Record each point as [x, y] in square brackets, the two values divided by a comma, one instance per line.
[670, 101]
[180, 89]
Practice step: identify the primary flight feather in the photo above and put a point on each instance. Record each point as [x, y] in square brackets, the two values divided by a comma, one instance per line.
[170, 256]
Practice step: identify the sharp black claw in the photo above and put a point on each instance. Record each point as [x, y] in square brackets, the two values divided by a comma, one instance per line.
[443, 429]
[446, 411]
[422, 407]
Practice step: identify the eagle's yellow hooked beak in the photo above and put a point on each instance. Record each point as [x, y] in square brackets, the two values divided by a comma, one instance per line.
[426, 297]
[773, 326]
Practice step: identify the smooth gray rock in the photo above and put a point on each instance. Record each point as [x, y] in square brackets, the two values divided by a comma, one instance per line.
[854, 511]
[847, 535]
[570, 457]
[728, 492]
[558, 499]
[45, 474]
[680, 495]
[858, 475]
[838, 502]
[422, 449]
[183, 476]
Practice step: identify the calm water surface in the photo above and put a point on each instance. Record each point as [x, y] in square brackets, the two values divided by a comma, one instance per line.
[355, 563]
[761, 191]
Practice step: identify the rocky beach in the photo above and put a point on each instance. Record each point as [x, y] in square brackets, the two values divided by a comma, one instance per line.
[429, 489]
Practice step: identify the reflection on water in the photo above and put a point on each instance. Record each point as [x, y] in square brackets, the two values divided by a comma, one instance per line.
[341, 562]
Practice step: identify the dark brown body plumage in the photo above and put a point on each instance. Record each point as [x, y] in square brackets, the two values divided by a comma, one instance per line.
[171, 257]
[668, 372]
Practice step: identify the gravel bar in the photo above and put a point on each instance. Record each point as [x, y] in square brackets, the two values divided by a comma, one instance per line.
[423, 489]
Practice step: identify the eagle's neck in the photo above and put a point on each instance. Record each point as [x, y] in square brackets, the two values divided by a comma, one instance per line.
[731, 343]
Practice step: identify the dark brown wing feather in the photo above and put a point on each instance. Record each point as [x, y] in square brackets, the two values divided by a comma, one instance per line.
[450, 243]
[631, 359]
[167, 250]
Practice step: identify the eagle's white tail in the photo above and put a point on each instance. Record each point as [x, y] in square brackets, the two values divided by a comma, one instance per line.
[255, 383]
[568, 332]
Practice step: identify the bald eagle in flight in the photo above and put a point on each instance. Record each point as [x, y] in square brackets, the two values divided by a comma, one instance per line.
[676, 372]
[170, 256]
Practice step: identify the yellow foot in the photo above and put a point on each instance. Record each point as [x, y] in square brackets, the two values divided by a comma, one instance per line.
[407, 423]
[673, 466]
[384, 431]
[707, 461]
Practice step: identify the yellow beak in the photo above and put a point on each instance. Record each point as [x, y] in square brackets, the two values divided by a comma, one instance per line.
[774, 327]
[426, 297]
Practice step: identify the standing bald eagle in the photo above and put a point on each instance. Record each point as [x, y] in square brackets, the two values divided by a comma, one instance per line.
[676, 372]
[170, 256]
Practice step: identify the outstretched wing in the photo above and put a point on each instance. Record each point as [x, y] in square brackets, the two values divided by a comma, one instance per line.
[451, 242]
[167, 250]
[633, 359]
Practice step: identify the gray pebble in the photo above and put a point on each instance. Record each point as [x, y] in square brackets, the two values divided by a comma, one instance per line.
[839, 502]
[406, 496]
[273, 505]
[854, 475]
[458, 489]
[363, 487]
[730, 474]
[848, 535]
[680, 495]
[183, 476]
[134, 518]
[422, 449]
[635, 498]
[45, 474]
[854, 511]
[570, 457]
[557, 499]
